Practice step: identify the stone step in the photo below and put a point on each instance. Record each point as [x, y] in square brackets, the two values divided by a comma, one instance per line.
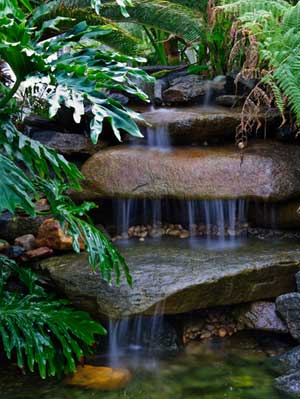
[178, 276]
[195, 124]
[266, 171]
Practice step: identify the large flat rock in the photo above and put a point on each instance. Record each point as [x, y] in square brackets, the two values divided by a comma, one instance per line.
[191, 124]
[178, 276]
[264, 171]
[195, 124]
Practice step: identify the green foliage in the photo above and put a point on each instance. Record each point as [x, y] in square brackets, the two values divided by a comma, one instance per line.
[76, 223]
[240, 7]
[189, 21]
[15, 187]
[158, 14]
[39, 331]
[163, 15]
[275, 26]
[80, 76]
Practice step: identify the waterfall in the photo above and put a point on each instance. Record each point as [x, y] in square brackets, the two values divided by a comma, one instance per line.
[213, 219]
[158, 138]
[208, 95]
[136, 337]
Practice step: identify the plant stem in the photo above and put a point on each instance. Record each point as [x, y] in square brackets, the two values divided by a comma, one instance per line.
[157, 49]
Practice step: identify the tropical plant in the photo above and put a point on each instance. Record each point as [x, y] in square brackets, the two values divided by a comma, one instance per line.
[32, 324]
[40, 331]
[80, 76]
[164, 21]
[266, 35]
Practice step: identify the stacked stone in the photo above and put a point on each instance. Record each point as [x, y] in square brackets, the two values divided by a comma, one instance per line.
[177, 230]
[288, 307]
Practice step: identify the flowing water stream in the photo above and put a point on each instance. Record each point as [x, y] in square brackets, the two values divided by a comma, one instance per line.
[217, 369]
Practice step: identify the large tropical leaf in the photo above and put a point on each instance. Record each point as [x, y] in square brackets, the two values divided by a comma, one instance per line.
[16, 189]
[40, 331]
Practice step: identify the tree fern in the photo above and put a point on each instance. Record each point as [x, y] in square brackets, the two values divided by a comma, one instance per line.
[198, 5]
[183, 21]
[240, 7]
[39, 331]
[289, 83]
[117, 38]
[275, 24]
[292, 18]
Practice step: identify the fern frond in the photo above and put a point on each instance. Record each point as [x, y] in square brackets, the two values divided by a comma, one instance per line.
[199, 5]
[277, 94]
[163, 15]
[36, 157]
[117, 38]
[183, 21]
[292, 18]
[236, 8]
[289, 83]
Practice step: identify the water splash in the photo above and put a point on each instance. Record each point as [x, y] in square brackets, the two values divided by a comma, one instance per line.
[158, 138]
[213, 219]
[136, 339]
[207, 101]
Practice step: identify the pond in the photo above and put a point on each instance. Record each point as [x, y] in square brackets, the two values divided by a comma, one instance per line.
[232, 368]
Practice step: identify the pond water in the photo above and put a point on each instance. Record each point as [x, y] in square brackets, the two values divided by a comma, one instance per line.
[233, 368]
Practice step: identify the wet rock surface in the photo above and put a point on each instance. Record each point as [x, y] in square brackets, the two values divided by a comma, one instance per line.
[184, 277]
[207, 324]
[12, 227]
[287, 361]
[185, 89]
[100, 378]
[67, 143]
[51, 234]
[261, 316]
[288, 306]
[229, 100]
[284, 215]
[160, 230]
[190, 125]
[289, 383]
[265, 171]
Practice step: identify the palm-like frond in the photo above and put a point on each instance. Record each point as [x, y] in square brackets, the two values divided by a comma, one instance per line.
[240, 7]
[161, 14]
[117, 38]
[199, 5]
[165, 15]
[292, 18]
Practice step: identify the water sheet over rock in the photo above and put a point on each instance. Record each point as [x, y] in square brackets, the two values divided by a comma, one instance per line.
[182, 276]
[194, 124]
[264, 171]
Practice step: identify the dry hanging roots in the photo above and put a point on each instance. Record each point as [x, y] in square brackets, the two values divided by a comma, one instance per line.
[251, 119]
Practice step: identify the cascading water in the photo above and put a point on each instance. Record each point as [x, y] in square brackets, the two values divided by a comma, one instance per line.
[158, 138]
[220, 220]
[137, 338]
[208, 96]
[220, 214]
[213, 219]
